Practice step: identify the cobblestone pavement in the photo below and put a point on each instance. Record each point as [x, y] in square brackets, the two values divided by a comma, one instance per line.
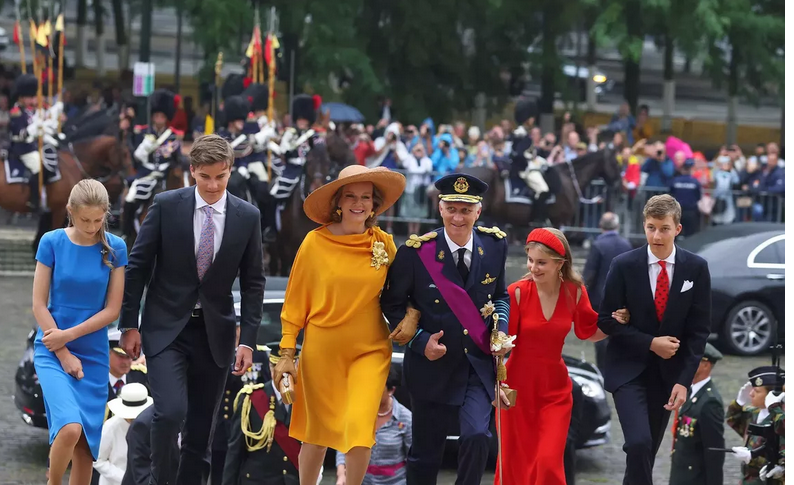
[23, 450]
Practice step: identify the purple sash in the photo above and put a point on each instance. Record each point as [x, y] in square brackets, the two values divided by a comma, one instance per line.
[457, 299]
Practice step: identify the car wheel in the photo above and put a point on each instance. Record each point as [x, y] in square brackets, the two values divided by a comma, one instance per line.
[750, 328]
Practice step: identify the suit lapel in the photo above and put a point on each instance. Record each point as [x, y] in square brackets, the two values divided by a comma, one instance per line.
[678, 281]
[187, 207]
[444, 255]
[645, 278]
[474, 270]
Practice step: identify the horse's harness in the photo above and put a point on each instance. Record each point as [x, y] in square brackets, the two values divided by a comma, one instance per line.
[578, 188]
[102, 179]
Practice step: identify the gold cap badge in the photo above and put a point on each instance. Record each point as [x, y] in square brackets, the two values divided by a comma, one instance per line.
[461, 185]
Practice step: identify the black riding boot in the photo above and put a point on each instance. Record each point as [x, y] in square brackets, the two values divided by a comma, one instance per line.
[128, 218]
[540, 209]
[35, 196]
[267, 210]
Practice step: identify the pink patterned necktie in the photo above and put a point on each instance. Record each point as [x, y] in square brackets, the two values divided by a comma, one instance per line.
[206, 246]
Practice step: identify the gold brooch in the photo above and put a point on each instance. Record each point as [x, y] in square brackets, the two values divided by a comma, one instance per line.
[479, 250]
[441, 255]
[487, 309]
[379, 255]
[461, 185]
[488, 279]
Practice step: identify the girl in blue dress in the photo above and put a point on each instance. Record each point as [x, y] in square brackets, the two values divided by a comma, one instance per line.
[77, 292]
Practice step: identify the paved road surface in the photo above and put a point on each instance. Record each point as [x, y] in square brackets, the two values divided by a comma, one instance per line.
[23, 450]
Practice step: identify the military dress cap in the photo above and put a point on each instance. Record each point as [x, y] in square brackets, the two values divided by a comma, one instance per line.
[460, 187]
[305, 107]
[114, 336]
[236, 108]
[711, 354]
[768, 375]
[26, 85]
[275, 351]
[258, 96]
[164, 101]
[525, 109]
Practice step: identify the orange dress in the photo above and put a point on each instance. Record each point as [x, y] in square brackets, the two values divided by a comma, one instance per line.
[534, 432]
[333, 295]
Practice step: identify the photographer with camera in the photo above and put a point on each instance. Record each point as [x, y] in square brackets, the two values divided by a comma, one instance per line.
[658, 167]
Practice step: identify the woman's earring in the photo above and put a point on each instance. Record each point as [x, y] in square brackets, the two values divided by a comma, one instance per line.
[339, 212]
[560, 273]
[372, 214]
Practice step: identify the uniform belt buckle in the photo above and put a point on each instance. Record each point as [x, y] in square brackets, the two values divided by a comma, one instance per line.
[195, 313]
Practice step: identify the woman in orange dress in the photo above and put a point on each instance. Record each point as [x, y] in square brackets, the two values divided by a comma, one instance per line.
[542, 306]
[333, 296]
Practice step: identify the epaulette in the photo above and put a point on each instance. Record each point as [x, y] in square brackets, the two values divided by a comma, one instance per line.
[139, 129]
[493, 231]
[247, 389]
[139, 368]
[262, 348]
[15, 111]
[415, 241]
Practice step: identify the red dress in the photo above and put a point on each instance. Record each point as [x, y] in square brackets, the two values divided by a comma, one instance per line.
[534, 432]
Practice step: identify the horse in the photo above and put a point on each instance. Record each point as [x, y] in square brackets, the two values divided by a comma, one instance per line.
[574, 177]
[98, 157]
[323, 164]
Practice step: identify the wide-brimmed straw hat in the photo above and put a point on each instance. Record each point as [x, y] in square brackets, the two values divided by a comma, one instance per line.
[317, 205]
[132, 400]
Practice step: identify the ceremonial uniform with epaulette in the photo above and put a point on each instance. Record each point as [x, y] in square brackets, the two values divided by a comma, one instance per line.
[260, 450]
[137, 372]
[698, 429]
[158, 148]
[741, 416]
[457, 290]
[258, 372]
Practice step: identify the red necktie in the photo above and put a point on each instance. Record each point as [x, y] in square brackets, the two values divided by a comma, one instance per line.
[662, 290]
[117, 386]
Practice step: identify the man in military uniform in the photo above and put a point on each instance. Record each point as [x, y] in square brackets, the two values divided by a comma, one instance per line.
[261, 132]
[236, 109]
[750, 408]
[258, 372]
[122, 370]
[24, 127]
[260, 448]
[296, 142]
[157, 149]
[454, 276]
[698, 428]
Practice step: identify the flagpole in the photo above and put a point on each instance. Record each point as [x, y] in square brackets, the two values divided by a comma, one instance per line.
[37, 72]
[271, 84]
[61, 44]
[20, 39]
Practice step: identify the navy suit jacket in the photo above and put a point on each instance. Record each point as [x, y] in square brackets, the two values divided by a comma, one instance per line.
[687, 317]
[445, 380]
[164, 258]
[604, 249]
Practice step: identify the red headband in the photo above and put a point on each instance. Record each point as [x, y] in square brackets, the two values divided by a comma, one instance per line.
[547, 238]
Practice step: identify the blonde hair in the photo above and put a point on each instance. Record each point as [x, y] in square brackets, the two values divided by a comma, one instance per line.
[91, 193]
[377, 201]
[568, 272]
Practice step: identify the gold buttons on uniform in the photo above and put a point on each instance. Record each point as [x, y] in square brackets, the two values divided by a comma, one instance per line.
[225, 399]
[489, 297]
[436, 301]
[285, 458]
[228, 392]
[247, 475]
[465, 332]
[225, 408]
[285, 472]
[690, 467]
[466, 350]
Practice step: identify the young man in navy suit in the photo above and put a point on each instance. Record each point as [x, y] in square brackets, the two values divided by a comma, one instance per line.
[650, 363]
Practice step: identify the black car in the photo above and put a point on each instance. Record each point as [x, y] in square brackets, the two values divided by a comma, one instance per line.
[748, 277]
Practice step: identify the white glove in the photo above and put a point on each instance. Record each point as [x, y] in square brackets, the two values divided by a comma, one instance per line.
[742, 453]
[772, 399]
[261, 121]
[743, 398]
[264, 135]
[777, 472]
[145, 149]
[55, 111]
[286, 141]
[51, 126]
[35, 127]
[244, 172]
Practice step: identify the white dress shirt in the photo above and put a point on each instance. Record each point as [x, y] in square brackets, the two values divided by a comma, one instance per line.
[654, 268]
[218, 217]
[454, 249]
[112, 460]
[696, 387]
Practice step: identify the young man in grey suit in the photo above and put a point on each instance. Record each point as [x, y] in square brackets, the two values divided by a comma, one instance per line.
[190, 248]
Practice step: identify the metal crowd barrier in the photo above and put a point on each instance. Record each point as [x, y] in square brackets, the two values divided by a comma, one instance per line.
[739, 207]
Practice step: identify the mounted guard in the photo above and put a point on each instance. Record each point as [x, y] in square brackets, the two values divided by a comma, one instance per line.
[158, 148]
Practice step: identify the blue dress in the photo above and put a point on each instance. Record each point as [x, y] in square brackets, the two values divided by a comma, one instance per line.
[78, 290]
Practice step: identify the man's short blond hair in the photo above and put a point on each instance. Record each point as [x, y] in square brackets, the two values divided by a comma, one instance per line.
[661, 206]
[209, 150]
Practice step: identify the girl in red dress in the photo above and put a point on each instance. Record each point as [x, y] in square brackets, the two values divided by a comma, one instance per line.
[542, 306]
